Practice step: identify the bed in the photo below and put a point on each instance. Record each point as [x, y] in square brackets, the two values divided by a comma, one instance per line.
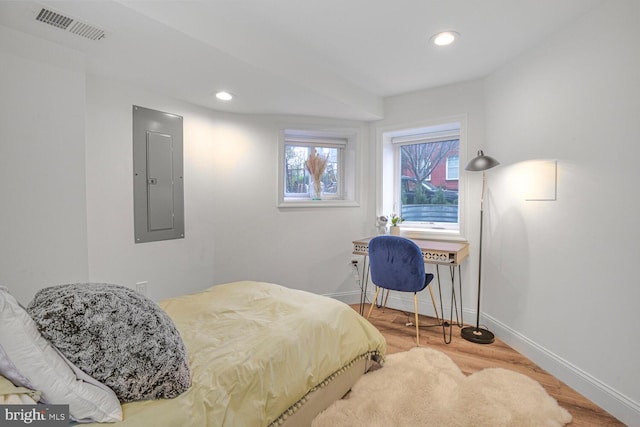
[261, 354]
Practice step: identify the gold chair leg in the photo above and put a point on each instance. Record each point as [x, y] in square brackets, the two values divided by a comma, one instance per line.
[385, 300]
[433, 300]
[375, 298]
[415, 308]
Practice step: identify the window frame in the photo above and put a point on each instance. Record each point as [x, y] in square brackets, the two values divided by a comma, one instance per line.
[347, 142]
[389, 167]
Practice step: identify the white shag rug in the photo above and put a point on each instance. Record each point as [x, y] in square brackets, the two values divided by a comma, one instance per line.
[423, 387]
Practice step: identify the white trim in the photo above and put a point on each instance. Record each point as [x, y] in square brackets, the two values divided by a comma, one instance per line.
[315, 142]
[420, 138]
[315, 135]
[403, 301]
[385, 151]
[325, 203]
[350, 297]
[625, 409]
[349, 139]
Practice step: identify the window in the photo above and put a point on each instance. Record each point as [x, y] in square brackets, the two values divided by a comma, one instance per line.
[453, 167]
[420, 177]
[338, 179]
[297, 177]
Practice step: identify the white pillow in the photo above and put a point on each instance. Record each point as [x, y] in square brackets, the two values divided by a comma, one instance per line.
[24, 353]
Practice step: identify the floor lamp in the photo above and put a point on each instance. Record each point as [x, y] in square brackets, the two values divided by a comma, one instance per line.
[470, 333]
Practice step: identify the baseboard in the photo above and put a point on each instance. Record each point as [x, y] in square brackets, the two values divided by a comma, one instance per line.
[404, 301]
[351, 297]
[615, 403]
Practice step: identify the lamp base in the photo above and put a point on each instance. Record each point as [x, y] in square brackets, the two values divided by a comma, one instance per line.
[477, 335]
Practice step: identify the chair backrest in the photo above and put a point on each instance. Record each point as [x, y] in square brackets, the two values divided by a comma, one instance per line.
[396, 263]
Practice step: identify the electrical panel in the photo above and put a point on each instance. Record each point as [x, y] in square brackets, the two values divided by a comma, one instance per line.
[157, 175]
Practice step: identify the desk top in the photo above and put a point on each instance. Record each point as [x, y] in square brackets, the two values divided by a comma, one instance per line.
[434, 251]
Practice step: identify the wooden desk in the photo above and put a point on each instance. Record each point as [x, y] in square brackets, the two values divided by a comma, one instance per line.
[433, 251]
[436, 252]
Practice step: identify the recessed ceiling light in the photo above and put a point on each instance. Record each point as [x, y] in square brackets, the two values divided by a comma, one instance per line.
[444, 38]
[224, 96]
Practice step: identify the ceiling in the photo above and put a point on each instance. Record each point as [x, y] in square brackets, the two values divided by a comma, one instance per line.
[326, 58]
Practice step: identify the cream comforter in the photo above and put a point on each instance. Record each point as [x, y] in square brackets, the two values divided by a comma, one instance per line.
[254, 350]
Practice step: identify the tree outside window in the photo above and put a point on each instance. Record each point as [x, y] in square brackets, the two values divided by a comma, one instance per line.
[425, 181]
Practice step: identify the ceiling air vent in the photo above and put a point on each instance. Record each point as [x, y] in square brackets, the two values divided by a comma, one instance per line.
[69, 24]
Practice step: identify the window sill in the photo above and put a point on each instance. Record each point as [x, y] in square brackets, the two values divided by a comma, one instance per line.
[306, 203]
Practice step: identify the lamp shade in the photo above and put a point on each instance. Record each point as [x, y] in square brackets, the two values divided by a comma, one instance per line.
[481, 163]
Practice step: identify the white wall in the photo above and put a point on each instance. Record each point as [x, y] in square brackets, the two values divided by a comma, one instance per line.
[43, 230]
[233, 229]
[560, 280]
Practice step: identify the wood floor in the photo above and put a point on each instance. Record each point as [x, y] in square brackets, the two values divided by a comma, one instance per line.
[472, 357]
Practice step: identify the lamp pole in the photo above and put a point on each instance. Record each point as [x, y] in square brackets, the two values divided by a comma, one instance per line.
[470, 333]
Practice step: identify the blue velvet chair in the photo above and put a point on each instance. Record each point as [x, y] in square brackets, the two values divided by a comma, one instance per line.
[397, 264]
